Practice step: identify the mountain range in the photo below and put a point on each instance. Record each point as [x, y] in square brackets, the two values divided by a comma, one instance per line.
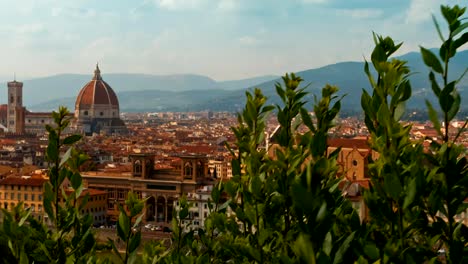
[187, 92]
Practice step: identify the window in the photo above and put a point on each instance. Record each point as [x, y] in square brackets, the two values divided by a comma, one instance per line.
[5, 196]
[12, 196]
[85, 113]
[25, 196]
[29, 120]
[19, 196]
[39, 197]
[188, 169]
[12, 99]
[32, 207]
[33, 196]
[205, 206]
[355, 162]
[101, 113]
[137, 167]
[39, 208]
[42, 121]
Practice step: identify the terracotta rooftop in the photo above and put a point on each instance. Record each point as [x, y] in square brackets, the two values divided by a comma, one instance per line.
[98, 92]
[349, 143]
[23, 181]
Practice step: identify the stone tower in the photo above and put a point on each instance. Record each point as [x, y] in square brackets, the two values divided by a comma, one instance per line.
[15, 108]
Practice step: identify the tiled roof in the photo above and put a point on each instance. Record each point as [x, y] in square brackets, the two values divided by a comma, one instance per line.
[97, 92]
[349, 143]
[23, 181]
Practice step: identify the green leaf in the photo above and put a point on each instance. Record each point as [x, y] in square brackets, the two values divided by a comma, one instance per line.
[455, 106]
[52, 151]
[410, 194]
[48, 197]
[392, 186]
[23, 257]
[371, 251]
[65, 157]
[24, 218]
[256, 186]
[138, 221]
[71, 139]
[339, 256]
[438, 28]
[134, 242]
[433, 117]
[307, 119]
[434, 84]
[123, 227]
[431, 60]
[459, 42]
[446, 99]
[378, 56]
[460, 29]
[399, 111]
[76, 180]
[328, 244]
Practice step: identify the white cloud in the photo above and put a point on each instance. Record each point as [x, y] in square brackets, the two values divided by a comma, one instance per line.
[248, 40]
[227, 5]
[361, 13]
[420, 10]
[315, 1]
[180, 4]
[30, 28]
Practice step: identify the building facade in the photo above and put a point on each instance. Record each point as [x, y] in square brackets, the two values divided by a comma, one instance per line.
[160, 187]
[28, 190]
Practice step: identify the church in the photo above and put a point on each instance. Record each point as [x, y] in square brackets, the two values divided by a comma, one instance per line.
[96, 111]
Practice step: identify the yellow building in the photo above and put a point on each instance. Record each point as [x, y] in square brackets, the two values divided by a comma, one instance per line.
[26, 189]
[96, 205]
[29, 190]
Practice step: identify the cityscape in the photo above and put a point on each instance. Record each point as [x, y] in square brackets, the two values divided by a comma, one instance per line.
[276, 169]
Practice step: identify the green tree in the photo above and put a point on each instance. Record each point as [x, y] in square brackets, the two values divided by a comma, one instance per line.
[447, 159]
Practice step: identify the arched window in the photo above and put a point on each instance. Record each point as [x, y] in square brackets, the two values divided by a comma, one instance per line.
[137, 167]
[200, 169]
[188, 169]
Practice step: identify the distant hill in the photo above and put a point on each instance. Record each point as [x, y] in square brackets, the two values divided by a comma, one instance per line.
[51, 89]
[194, 93]
[350, 78]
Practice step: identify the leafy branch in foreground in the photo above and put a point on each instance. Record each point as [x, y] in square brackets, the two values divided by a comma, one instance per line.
[448, 160]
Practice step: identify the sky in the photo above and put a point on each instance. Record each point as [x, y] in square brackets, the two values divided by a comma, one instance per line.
[222, 39]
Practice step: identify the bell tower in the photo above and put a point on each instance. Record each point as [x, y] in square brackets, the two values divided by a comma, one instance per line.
[16, 113]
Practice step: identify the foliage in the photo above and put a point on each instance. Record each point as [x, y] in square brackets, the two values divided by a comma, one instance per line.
[397, 220]
[128, 228]
[447, 159]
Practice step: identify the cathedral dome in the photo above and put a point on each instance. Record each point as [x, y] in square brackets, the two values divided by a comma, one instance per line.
[96, 93]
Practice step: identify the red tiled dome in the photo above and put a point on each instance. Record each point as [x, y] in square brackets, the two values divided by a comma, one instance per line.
[96, 92]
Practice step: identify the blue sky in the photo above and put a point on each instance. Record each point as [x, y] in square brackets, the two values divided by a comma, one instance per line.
[223, 39]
